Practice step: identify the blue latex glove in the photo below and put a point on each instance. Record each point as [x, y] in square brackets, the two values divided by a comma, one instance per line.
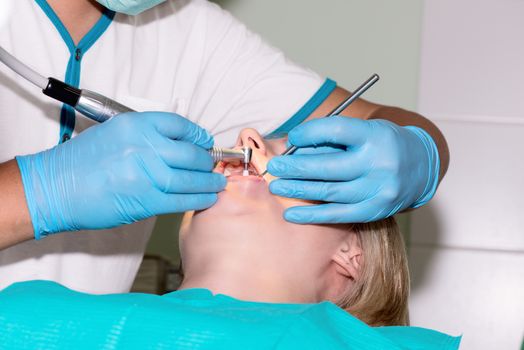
[129, 168]
[375, 169]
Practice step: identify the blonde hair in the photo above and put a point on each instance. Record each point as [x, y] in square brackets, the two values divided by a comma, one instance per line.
[379, 296]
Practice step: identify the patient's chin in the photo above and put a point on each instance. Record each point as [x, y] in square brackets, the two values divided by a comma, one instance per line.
[243, 196]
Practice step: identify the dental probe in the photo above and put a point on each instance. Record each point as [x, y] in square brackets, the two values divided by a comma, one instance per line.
[356, 94]
[91, 104]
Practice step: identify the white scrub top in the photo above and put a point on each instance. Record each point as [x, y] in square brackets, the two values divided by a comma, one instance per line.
[184, 56]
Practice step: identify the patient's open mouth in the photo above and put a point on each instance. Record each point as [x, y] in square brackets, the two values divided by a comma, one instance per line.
[235, 168]
[240, 170]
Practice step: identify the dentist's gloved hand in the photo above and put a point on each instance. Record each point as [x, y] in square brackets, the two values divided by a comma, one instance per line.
[129, 168]
[375, 169]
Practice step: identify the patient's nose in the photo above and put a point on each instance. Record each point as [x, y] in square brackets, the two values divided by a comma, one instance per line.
[251, 138]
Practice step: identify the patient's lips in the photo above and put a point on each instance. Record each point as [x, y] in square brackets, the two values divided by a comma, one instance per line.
[235, 171]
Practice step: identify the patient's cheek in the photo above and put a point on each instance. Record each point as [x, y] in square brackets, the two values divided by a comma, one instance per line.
[259, 161]
[276, 146]
[269, 178]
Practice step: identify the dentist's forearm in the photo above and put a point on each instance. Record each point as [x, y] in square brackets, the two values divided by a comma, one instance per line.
[366, 110]
[403, 117]
[15, 221]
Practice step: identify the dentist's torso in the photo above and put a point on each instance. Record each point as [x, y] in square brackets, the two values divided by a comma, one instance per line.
[178, 57]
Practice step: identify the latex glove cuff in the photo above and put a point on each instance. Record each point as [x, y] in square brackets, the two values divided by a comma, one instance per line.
[31, 172]
[433, 166]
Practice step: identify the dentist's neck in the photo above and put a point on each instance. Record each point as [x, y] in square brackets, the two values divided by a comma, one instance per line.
[78, 16]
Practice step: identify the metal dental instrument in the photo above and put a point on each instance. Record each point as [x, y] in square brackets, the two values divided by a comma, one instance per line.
[98, 107]
[95, 106]
[218, 154]
[91, 104]
[248, 152]
[356, 94]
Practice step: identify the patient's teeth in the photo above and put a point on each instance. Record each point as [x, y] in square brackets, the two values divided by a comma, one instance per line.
[227, 172]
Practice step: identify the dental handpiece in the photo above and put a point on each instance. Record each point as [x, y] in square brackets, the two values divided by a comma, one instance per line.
[96, 106]
[244, 155]
[340, 108]
[218, 154]
[91, 104]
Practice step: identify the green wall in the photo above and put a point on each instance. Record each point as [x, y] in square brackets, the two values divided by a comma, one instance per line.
[346, 40]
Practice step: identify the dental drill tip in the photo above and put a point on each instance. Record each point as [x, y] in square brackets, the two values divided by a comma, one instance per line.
[246, 169]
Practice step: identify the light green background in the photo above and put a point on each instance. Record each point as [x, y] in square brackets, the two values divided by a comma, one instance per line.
[346, 40]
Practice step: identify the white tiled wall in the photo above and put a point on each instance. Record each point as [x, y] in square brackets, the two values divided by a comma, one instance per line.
[467, 246]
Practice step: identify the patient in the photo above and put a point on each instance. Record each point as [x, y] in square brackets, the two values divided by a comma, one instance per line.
[242, 247]
[252, 280]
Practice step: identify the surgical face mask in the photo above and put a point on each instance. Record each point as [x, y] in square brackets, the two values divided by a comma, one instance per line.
[130, 7]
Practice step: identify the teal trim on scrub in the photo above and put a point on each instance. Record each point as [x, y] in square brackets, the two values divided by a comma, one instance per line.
[74, 66]
[314, 102]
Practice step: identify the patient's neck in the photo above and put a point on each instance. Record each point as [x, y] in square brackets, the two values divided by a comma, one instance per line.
[249, 269]
[233, 280]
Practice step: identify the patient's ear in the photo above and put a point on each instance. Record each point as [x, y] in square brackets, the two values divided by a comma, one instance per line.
[348, 257]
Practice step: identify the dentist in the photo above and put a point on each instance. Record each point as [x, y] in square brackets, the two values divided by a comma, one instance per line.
[192, 59]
